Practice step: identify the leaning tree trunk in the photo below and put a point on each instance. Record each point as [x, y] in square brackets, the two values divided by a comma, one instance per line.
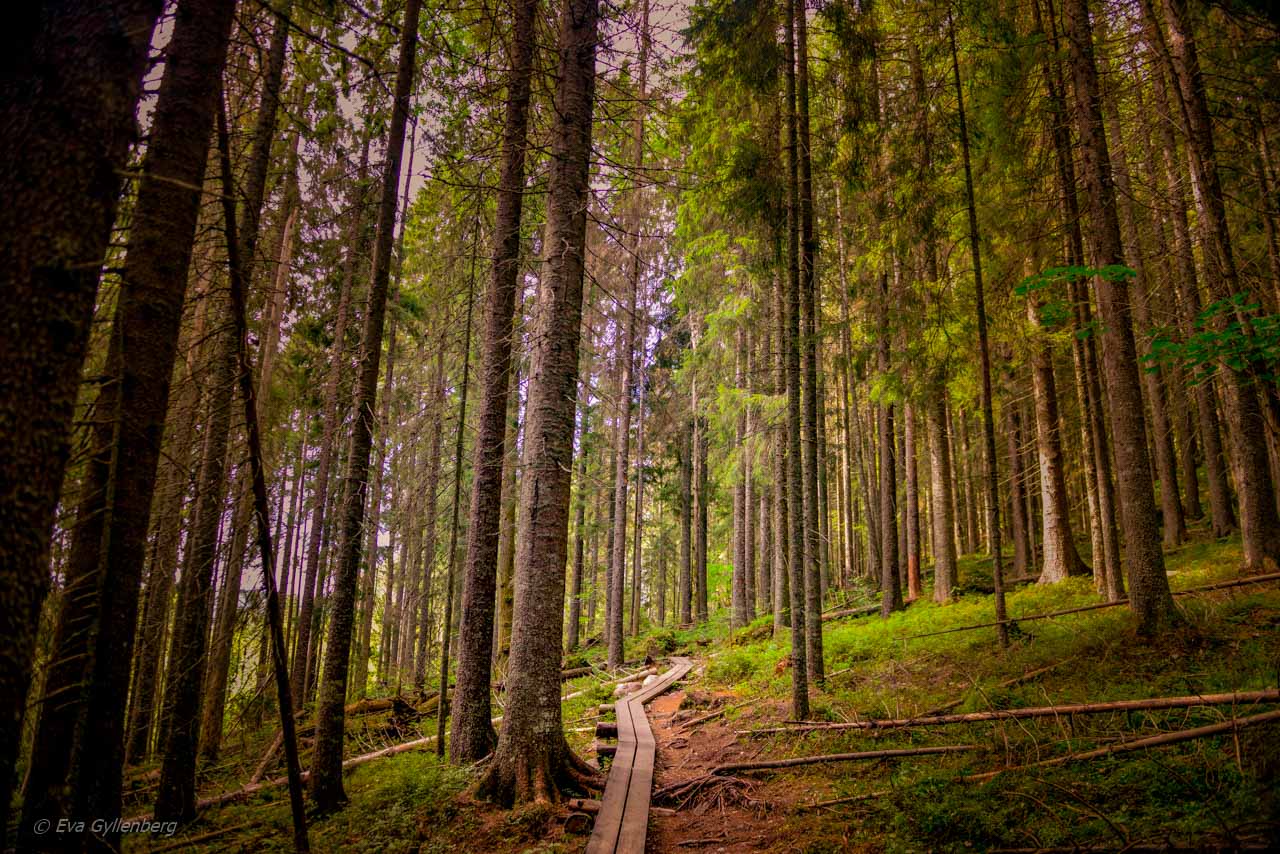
[177, 790]
[532, 758]
[1148, 585]
[67, 99]
[326, 765]
[472, 735]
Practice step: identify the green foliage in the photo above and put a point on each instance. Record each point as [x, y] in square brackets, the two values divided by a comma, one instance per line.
[1228, 333]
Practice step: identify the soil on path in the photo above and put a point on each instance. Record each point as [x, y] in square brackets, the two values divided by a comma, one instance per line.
[712, 815]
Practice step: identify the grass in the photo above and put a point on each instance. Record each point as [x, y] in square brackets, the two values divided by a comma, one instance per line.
[1206, 790]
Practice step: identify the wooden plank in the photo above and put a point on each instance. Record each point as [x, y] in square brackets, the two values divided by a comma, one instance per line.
[604, 836]
[622, 824]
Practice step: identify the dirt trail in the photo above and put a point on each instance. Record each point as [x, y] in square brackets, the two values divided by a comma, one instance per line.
[711, 815]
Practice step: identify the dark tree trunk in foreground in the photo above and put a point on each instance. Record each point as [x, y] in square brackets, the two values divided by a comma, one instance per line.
[532, 757]
[1148, 585]
[176, 796]
[94, 644]
[72, 74]
[326, 766]
[472, 735]
[248, 397]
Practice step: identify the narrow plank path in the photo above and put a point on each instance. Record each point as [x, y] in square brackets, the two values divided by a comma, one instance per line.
[623, 821]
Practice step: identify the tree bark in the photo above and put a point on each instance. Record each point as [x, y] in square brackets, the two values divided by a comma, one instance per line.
[796, 564]
[942, 504]
[326, 767]
[72, 78]
[813, 544]
[1148, 585]
[532, 756]
[472, 735]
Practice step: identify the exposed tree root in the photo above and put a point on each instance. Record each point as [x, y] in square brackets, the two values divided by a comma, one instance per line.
[540, 775]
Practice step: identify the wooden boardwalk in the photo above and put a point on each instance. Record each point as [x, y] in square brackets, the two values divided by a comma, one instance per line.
[623, 821]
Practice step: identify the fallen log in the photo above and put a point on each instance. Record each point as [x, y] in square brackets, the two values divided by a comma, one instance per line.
[851, 612]
[1140, 744]
[828, 758]
[396, 704]
[1269, 695]
[634, 677]
[1221, 585]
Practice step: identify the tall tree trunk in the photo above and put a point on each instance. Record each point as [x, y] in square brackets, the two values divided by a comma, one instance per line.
[175, 798]
[532, 756]
[1017, 493]
[248, 397]
[738, 615]
[1172, 522]
[636, 543]
[326, 765]
[472, 735]
[430, 515]
[809, 340]
[73, 73]
[1148, 585]
[984, 351]
[507, 538]
[339, 366]
[791, 359]
[781, 467]
[1221, 513]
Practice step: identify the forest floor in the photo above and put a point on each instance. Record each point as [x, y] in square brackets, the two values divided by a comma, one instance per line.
[1222, 791]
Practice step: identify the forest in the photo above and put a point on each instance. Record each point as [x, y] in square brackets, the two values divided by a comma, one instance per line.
[645, 425]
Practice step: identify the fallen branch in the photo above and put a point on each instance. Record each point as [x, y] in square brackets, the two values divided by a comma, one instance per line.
[1269, 695]
[1140, 744]
[698, 721]
[850, 799]
[840, 757]
[1008, 683]
[1221, 585]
